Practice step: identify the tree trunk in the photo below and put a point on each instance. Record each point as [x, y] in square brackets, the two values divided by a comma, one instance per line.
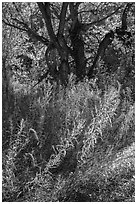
[78, 51]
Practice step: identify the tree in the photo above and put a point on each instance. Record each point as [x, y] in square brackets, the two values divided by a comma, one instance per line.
[74, 35]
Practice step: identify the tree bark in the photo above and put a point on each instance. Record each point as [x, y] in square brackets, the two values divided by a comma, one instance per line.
[77, 43]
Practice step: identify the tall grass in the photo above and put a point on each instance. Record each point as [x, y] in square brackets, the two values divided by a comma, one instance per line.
[85, 149]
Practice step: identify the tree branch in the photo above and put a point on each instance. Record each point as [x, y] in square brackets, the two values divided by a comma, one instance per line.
[88, 25]
[14, 26]
[62, 19]
[45, 10]
[124, 16]
[102, 47]
[27, 30]
[42, 39]
[73, 11]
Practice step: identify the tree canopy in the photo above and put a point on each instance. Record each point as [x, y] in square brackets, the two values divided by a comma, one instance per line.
[56, 39]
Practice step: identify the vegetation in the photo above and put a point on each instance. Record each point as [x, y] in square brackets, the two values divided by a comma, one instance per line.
[68, 115]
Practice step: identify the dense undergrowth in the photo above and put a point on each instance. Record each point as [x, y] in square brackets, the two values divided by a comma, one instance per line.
[74, 144]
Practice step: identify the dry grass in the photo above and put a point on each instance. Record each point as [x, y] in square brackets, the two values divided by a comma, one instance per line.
[85, 147]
